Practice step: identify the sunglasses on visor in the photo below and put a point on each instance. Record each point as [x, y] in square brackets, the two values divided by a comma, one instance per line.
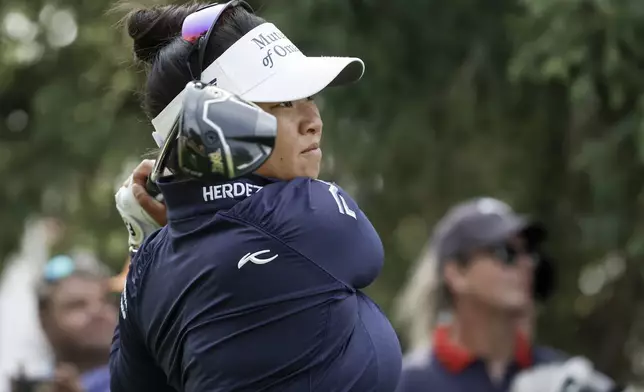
[197, 28]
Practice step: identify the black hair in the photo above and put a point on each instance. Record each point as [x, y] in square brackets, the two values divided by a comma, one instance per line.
[158, 43]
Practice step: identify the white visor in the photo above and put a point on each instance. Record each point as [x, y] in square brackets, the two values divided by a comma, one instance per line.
[265, 66]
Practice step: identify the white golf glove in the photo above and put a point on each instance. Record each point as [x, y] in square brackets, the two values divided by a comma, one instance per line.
[138, 222]
[574, 375]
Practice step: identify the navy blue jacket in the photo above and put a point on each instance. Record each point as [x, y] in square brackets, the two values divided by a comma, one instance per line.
[254, 285]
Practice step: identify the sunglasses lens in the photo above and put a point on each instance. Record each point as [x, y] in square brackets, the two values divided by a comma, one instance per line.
[58, 268]
[201, 21]
[513, 255]
[507, 255]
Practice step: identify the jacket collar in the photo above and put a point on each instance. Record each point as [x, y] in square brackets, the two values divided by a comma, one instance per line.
[185, 198]
[457, 358]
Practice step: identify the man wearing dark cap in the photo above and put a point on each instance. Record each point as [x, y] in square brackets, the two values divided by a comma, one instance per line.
[490, 267]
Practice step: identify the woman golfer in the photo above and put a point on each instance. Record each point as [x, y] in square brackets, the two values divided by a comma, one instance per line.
[254, 282]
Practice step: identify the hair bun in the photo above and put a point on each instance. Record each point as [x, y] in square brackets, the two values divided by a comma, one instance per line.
[154, 28]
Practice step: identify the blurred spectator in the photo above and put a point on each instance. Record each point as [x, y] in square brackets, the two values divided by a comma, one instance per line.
[473, 294]
[23, 347]
[78, 315]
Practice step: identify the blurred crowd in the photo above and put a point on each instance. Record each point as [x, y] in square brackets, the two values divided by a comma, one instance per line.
[466, 315]
[57, 333]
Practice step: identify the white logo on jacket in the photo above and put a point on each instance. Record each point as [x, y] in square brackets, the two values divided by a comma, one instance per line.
[229, 191]
[254, 259]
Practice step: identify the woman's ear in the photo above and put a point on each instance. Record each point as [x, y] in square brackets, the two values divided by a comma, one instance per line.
[454, 275]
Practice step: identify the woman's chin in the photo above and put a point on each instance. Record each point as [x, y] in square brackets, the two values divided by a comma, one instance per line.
[313, 172]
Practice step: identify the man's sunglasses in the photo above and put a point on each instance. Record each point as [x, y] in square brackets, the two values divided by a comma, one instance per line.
[63, 266]
[506, 253]
[59, 268]
[509, 255]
